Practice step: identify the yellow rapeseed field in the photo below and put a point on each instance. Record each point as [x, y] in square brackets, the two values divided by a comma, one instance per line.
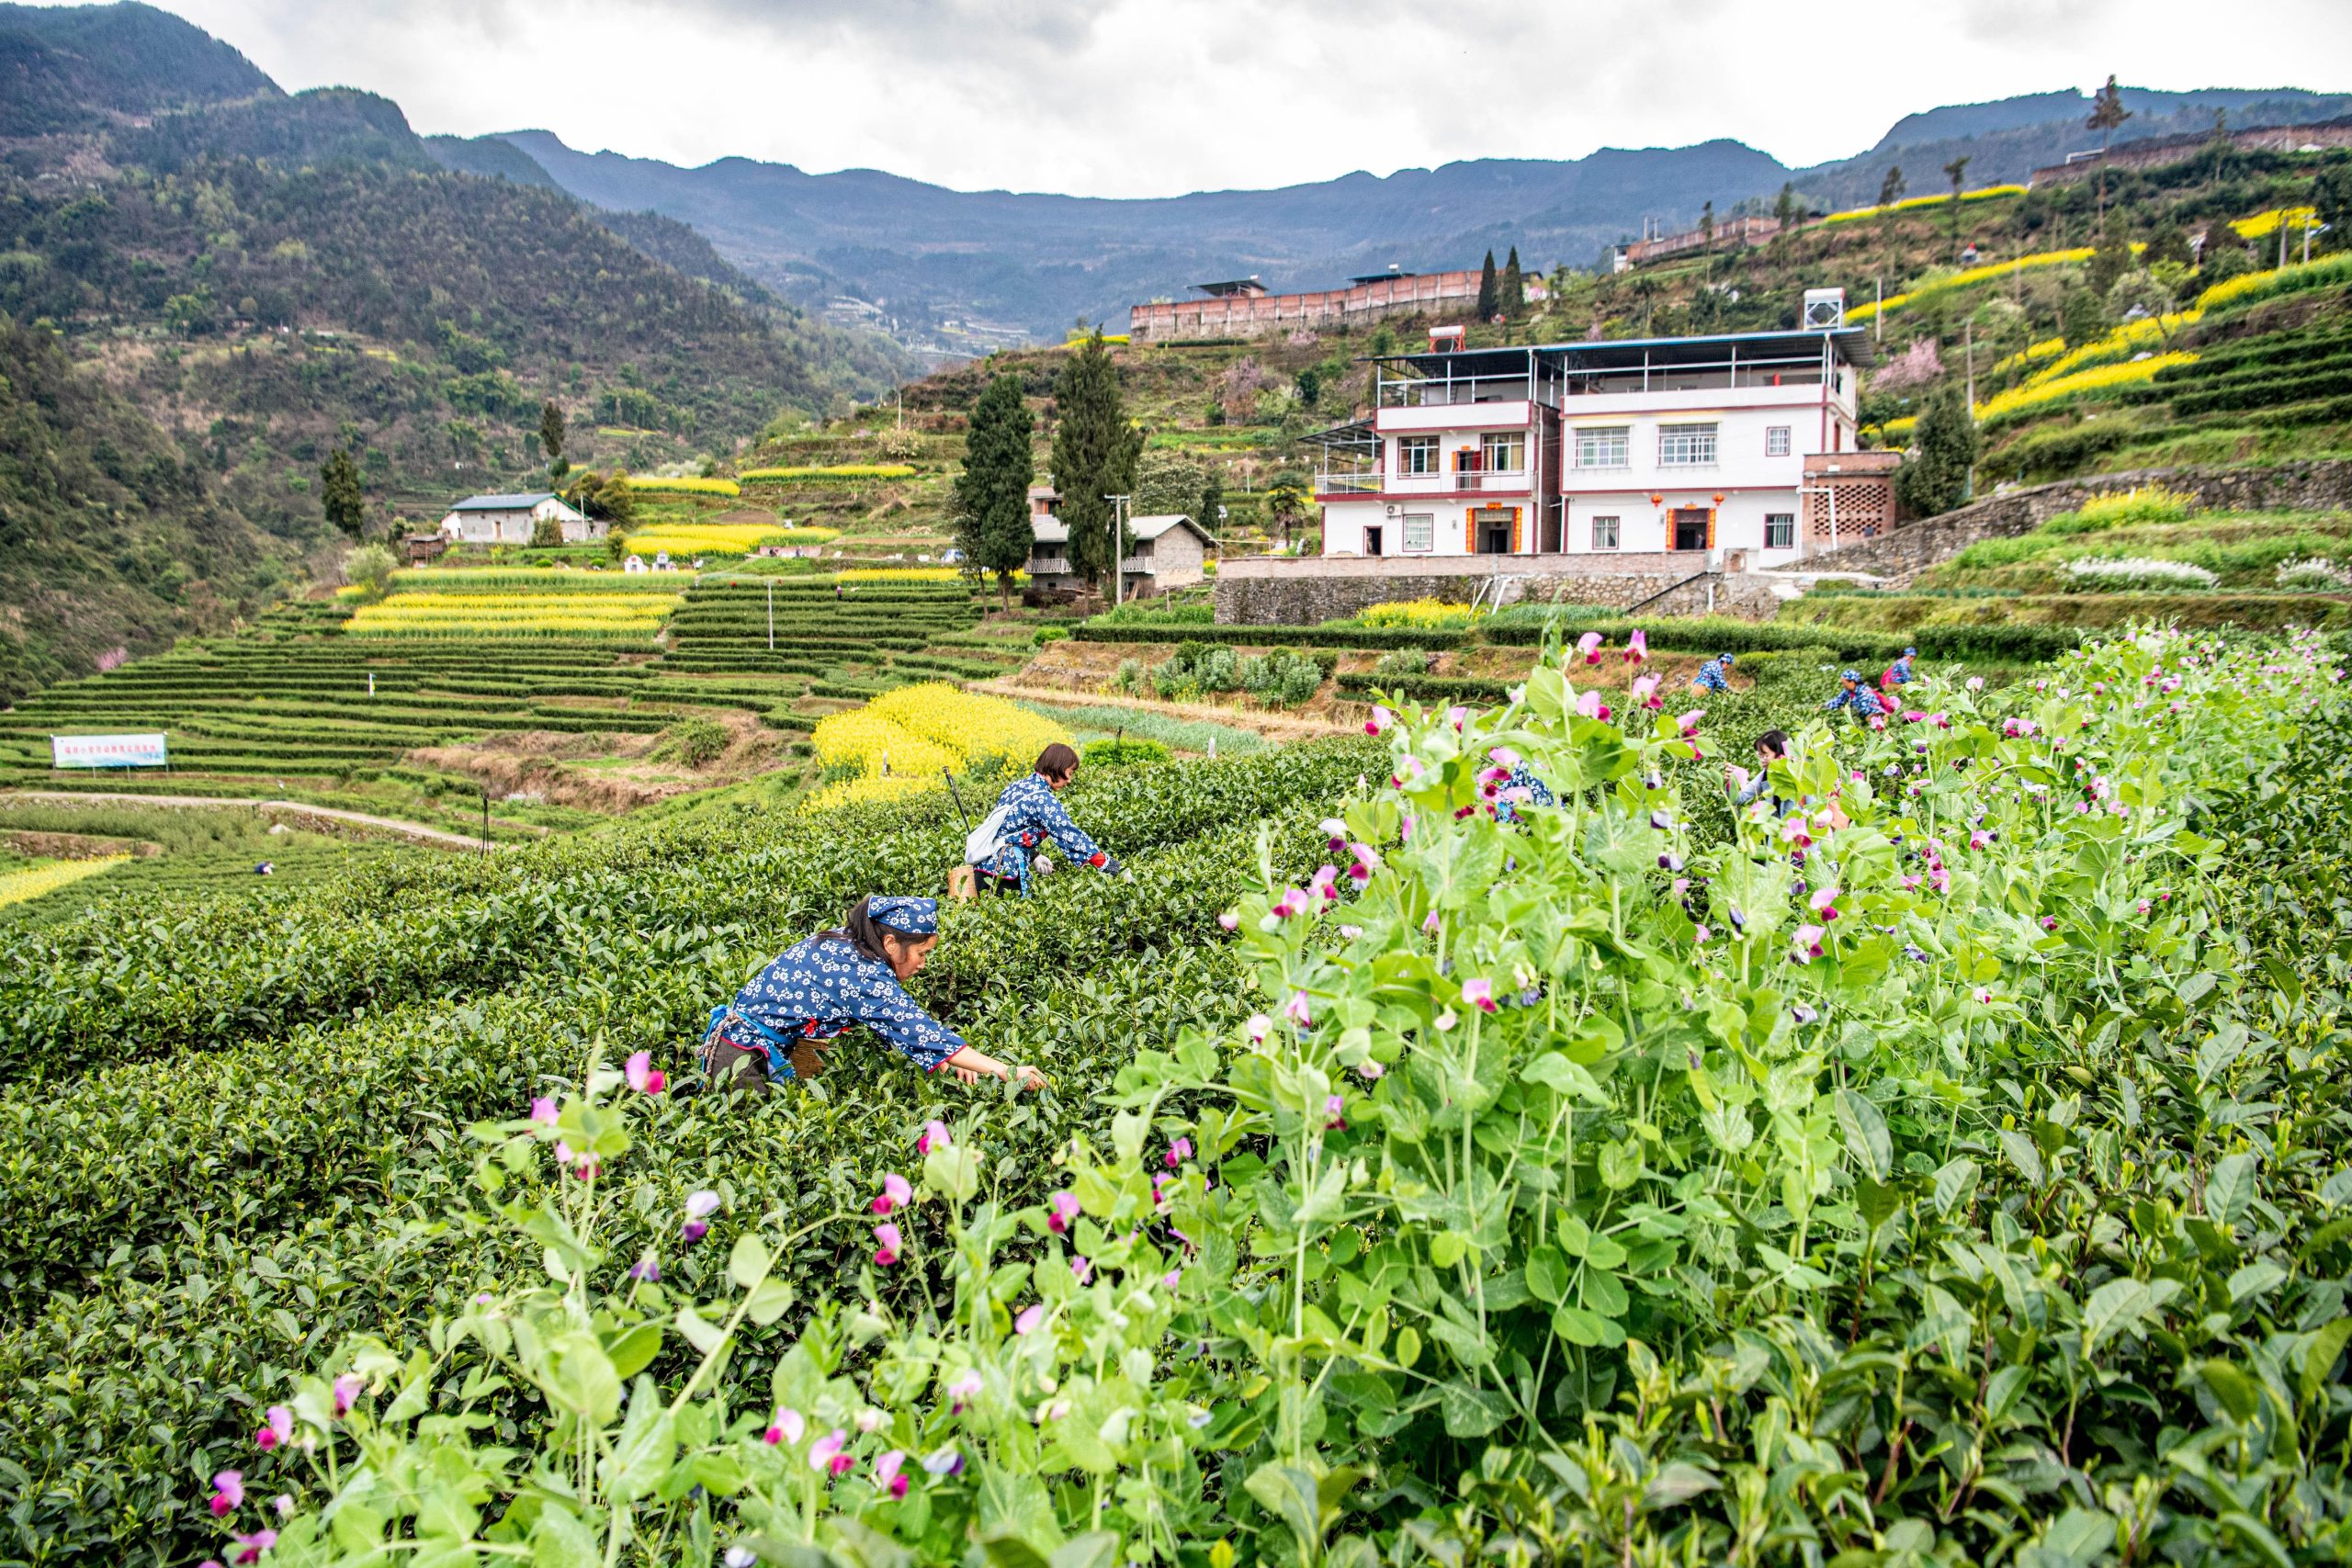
[2096, 378]
[646, 485]
[909, 574]
[2263, 224]
[615, 614]
[2121, 344]
[22, 886]
[1985, 193]
[1416, 613]
[919, 732]
[1967, 275]
[719, 539]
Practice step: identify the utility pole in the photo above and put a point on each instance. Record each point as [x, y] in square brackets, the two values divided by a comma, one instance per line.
[770, 614]
[1118, 558]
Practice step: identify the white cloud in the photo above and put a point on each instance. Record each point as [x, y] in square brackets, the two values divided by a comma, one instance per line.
[1148, 98]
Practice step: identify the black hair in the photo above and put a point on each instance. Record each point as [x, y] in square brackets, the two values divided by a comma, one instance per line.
[1775, 741]
[1056, 761]
[860, 930]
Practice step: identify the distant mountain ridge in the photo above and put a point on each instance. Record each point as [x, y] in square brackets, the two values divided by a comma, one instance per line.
[929, 254]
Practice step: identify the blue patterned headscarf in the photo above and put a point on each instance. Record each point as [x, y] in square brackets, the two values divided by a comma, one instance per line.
[1850, 675]
[908, 916]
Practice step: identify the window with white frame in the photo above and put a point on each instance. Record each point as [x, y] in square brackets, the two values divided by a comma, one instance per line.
[1416, 455]
[1604, 533]
[1779, 530]
[1604, 446]
[1776, 441]
[1503, 451]
[1686, 446]
[1421, 532]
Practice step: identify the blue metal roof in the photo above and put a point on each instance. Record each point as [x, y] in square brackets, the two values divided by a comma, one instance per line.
[518, 502]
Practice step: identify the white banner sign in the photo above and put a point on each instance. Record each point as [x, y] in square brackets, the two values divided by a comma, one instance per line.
[107, 751]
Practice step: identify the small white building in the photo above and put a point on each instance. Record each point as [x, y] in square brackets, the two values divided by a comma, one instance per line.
[1675, 449]
[1163, 552]
[513, 519]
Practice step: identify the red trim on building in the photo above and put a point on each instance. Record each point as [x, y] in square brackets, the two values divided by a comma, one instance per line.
[1474, 497]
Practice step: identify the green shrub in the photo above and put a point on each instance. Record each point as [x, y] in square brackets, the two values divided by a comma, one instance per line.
[1404, 661]
[693, 741]
[1122, 752]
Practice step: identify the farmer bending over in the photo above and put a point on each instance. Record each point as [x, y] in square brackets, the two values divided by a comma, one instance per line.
[1003, 847]
[1899, 672]
[1856, 699]
[781, 1024]
[1710, 677]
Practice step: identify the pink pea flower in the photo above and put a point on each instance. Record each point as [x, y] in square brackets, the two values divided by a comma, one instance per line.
[1083, 1267]
[1688, 722]
[284, 1504]
[1335, 830]
[1381, 720]
[1334, 1114]
[700, 1206]
[1645, 692]
[943, 1461]
[1178, 1151]
[642, 1075]
[2050, 922]
[788, 1426]
[278, 1428]
[1825, 903]
[1983, 996]
[1980, 840]
[896, 1194]
[934, 1137]
[1455, 715]
[1062, 1210]
[825, 1454]
[1914, 715]
[1591, 706]
[1637, 646]
[1588, 647]
[251, 1546]
[228, 1493]
[1366, 862]
[1479, 994]
[962, 1392]
[1297, 1012]
[1257, 1028]
[1371, 1070]
[1031, 1316]
[347, 1393]
[886, 1472]
[2143, 906]
[1976, 683]
[886, 1244]
[544, 1111]
[1805, 945]
[1229, 921]
[647, 1270]
[1703, 934]
[1430, 925]
[1504, 758]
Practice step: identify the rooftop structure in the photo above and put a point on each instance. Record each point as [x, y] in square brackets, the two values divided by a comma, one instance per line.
[1242, 307]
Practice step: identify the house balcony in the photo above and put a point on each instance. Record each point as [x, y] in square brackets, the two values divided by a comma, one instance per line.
[1491, 479]
[1348, 484]
[1137, 566]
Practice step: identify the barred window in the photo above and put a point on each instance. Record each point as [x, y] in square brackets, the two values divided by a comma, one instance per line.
[1685, 446]
[1604, 446]
[1779, 530]
[1604, 533]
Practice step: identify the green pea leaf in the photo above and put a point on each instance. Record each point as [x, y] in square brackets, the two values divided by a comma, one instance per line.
[748, 1262]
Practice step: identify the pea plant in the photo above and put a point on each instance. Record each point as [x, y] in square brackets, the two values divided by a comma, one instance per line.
[1927, 1167]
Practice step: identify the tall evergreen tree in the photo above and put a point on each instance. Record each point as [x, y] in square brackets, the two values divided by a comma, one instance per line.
[1889, 191]
[552, 437]
[1513, 288]
[1212, 502]
[1935, 477]
[1784, 215]
[1956, 172]
[1095, 447]
[339, 493]
[993, 492]
[2106, 114]
[1490, 291]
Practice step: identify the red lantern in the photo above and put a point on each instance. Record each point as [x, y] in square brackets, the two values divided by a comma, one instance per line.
[1719, 500]
[1657, 499]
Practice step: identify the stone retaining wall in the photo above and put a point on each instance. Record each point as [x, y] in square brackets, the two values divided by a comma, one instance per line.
[1302, 592]
[1914, 546]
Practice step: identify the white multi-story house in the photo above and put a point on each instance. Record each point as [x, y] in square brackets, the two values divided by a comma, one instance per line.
[1683, 448]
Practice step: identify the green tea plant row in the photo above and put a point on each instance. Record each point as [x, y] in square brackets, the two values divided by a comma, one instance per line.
[1927, 1175]
[415, 927]
[1694, 635]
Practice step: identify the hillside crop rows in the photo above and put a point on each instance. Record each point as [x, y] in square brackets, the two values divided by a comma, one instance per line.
[1953, 1170]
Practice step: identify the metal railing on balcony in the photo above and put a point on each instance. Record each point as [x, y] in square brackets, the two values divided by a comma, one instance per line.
[1442, 392]
[1491, 479]
[1348, 484]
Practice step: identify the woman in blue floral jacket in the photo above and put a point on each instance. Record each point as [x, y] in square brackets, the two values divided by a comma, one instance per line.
[1025, 816]
[782, 1023]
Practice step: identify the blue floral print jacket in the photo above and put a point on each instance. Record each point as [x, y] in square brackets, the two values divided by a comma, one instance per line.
[1034, 815]
[819, 988]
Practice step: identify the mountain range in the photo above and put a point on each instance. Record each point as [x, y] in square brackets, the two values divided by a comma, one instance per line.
[953, 269]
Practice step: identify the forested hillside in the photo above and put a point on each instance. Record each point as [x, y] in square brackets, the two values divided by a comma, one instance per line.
[110, 535]
[258, 279]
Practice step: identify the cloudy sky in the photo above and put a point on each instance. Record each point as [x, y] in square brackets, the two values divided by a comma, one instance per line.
[1150, 97]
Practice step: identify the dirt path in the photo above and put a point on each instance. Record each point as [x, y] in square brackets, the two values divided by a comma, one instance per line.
[1274, 726]
[388, 823]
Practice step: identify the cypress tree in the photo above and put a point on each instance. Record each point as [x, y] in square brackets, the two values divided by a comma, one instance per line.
[1513, 288]
[1935, 477]
[993, 492]
[339, 493]
[1212, 500]
[1490, 291]
[1095, 449]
